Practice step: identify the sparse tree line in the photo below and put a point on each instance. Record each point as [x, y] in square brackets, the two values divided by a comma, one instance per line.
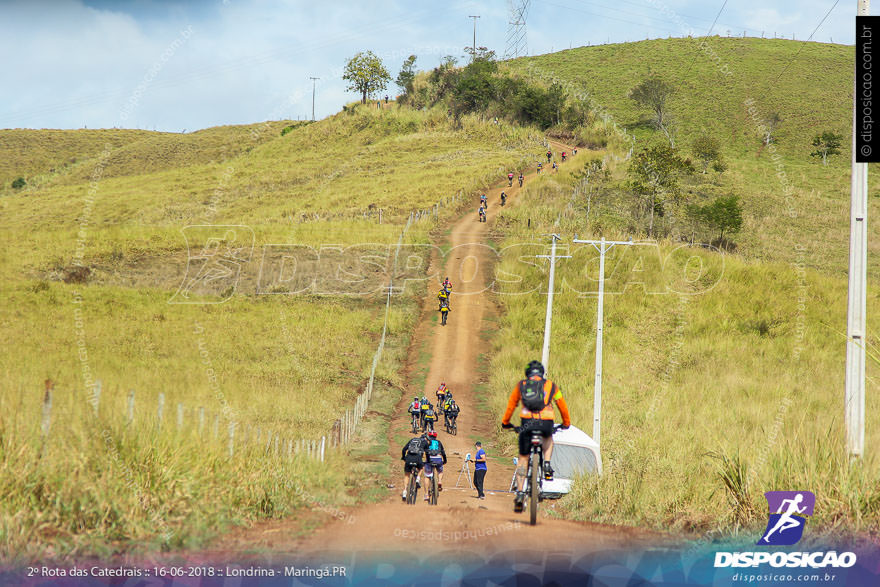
[478, 87]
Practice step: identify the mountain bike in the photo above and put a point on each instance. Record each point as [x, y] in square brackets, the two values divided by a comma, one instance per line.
[415, 423]
[535, 475]
[433, 492]
[509, 181]
[520, 180]
[482, 216]
[444, 312]
[412, 489]
[451, 426]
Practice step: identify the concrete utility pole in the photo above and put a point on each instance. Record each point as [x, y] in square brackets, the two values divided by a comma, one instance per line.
[854, 391]
[474, 55]
[545, 352]
[313, 96]
[603, 247]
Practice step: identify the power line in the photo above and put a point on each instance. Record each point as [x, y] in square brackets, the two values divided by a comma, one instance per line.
[787, 65]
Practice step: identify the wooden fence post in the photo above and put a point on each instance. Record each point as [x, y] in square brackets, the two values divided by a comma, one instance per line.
[47, 412]
[231, 439]
[323, 440]
[201, 419]
[130, 414]
[159, 409]
[96, 398]
[179, 416]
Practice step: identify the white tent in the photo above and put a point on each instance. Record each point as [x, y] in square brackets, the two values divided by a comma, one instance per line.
[574, 454]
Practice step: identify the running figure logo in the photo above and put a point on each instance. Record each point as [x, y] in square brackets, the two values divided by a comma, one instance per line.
[788, 516]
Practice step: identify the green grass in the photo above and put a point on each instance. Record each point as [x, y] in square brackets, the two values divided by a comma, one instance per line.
[812, 94]
[280, 364]
[725, 386]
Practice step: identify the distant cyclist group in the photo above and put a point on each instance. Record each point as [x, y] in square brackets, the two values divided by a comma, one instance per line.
[425, 451]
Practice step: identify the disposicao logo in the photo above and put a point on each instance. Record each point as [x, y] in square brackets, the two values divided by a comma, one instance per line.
[788, 516]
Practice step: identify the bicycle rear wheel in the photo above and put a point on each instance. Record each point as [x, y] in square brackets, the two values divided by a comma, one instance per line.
[534, 488]
[433, 500]
[413, 489]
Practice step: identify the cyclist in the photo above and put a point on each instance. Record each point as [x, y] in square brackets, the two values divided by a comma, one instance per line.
[503, 198]
[520, 179]
[540, 166]
[451, 411]
[423, 407]
[430, 418]
[415, 410]
[413, 455]
[447, 285]
[537, 396]
[444, 310]
[510, 179]
[443, 296]
[574, 151]
[435, 459]
[563, 155]
[549, 155]
[482, 212]
[484, 202]
[441, 393]
[555, 167]
[448, 400]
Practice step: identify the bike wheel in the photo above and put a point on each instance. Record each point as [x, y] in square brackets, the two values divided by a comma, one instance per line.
[412, 489]
[534, 489]
[433, 500]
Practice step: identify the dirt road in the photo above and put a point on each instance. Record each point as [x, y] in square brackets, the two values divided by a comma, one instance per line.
[461, 524]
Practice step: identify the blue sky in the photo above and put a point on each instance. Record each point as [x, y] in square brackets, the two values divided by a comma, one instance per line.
[174, 65]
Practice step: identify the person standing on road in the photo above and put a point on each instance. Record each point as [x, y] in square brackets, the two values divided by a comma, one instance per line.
[480, 470]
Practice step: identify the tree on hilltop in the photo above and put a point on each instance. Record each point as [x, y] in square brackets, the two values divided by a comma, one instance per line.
[407, 74]
[366, 74]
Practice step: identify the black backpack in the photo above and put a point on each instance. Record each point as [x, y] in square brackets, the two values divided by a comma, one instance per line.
[532, 393]
[415, 447]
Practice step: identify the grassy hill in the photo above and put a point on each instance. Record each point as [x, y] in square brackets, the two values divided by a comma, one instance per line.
[91, 258]
[795, 209]
[723, 374]
[723, 377]
[808, 84]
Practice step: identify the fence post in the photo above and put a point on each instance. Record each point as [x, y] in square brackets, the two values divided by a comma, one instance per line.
[231, 439]
[130, 415]
[201, 419]
[276, 445]
[96, 397]
[160, 408]
[216, 425]
[268, 441]
[47, 412]
[179, 416]
[289, 449]
[323, 441]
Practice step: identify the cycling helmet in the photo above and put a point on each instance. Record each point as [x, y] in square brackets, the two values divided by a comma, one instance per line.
[432, 433]
[442, 387]
[534, 368]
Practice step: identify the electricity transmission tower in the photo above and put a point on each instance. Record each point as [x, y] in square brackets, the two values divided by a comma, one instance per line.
[516, 29]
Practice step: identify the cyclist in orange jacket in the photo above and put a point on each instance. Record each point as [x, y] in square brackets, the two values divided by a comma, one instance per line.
[535, 418]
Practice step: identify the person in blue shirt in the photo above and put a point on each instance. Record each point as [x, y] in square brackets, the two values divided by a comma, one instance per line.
[480, 470]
